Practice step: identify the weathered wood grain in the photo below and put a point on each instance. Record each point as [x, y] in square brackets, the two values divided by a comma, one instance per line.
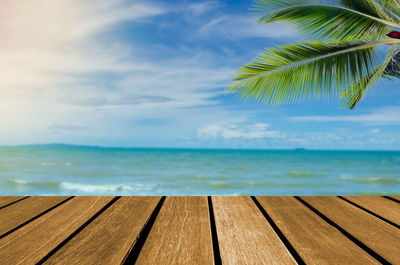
[378, 235]
[4, 200]
[245, 236]
[35, 240]
[316, 241]
[108, 239]
[379, 205]
[181, 234]
[18, 213]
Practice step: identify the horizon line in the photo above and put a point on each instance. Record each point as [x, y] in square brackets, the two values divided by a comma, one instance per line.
[197, 148]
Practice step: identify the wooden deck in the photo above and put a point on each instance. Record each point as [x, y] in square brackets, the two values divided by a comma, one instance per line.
[199, 230]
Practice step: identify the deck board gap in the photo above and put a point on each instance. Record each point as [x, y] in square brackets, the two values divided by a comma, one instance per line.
[65, 241]
[282, 237]
[132, 255]
[214, 235]
[370, 212]
[11, 203]
[391, 198]
[35, 217]
[347, 234]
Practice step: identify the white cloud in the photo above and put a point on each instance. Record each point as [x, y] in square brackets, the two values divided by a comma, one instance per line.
[242, 26]
[200, 8]
[60, 127]
[99, 101]
[59, 37]
[370, 140]
[384, 115]
[48, 46]
[46, 23]
[258, 136]
[245, 132]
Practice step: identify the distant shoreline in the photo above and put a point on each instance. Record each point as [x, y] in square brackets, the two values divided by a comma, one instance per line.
[297, 149]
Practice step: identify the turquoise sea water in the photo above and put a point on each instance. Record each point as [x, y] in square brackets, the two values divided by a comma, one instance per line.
[68, 170]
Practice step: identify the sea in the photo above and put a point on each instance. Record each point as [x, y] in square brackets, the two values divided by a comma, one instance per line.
[83, 170]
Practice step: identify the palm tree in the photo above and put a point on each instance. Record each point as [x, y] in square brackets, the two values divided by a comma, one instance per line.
[355, 46]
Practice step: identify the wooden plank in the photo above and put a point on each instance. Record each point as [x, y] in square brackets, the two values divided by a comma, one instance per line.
[316, 241]
[244, 235]
[33, 241]
[379, 205]
[16, 214]
[109, 238]
[378, 235]
[4, 200]
[180, 235]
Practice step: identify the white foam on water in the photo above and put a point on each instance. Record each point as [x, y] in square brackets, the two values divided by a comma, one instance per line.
[19, 181]
[104, 187]
[23, 182]
[346, 176]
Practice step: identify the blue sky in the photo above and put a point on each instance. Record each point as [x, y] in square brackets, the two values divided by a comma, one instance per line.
[154, 73]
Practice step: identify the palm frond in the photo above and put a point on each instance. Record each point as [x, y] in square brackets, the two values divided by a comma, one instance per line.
[392, 7]
[371, 7]
[304, 70]
[353, 94]
[393, 67]
[340, 20]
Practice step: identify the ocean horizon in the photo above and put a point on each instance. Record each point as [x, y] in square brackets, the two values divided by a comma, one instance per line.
[67, 145]
[59, 169]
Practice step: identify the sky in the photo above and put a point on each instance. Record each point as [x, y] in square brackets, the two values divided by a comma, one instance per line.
[153, 74]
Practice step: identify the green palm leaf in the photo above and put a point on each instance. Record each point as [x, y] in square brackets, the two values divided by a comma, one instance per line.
[393, 67]
[392, 7]
[340, 20]
[373, 8]
[389, 68]
[304, 70]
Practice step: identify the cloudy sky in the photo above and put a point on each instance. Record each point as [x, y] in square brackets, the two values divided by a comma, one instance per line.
[153, 74]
